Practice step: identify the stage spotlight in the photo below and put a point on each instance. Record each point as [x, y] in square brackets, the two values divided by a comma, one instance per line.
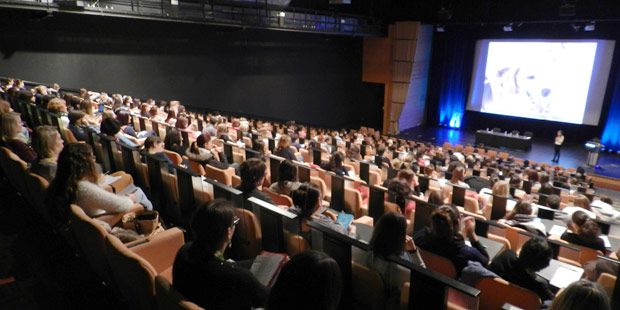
[597, 167]
[440, 28]
[590, 27]
[508, 28]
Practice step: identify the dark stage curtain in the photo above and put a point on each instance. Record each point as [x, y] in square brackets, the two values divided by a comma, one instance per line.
[611, 132]
[453, 60]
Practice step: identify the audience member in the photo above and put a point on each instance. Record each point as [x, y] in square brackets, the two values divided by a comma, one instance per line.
[310, 280]
[585, 232]
[202, 274]
[521, 270]
[582, 295]
[10, 127]
[521, 216]
[390, 238]
[284, 148]
[287, 179]
[48, 144]
[252, 176]
[443, 238]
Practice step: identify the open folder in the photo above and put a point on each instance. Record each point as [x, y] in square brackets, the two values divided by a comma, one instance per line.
[267, 266]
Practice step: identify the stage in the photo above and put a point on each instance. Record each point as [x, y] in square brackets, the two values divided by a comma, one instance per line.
[572, 154]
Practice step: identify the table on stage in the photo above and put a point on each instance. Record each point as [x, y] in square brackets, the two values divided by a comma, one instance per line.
[500, 139]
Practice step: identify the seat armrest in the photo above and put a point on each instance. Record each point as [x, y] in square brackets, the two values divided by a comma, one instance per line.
[160, 249]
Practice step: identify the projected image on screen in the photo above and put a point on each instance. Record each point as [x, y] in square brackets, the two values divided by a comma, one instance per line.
[538, 80]
[546, 80]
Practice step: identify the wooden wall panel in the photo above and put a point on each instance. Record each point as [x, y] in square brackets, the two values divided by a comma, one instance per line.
[407, 30]
[404, 50]
[401, 71]
[376, 60]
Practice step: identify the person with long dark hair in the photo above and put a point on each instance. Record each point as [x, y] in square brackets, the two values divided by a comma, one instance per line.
[390, 238]
[444, 238]
[77, 182]
[287, 179]
[311, 280]
[307, 205]
[202, 273]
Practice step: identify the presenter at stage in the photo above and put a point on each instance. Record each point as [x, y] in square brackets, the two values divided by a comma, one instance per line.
[559, 140]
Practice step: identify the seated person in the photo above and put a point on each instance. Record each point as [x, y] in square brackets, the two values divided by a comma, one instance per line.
[581, 295]
[443, 238]
[581, 203]
[307, 204]
[10, 128]
[77, 125]
[172, 142]
[335, 164]
[284, 148]
[521, 217]
[155, 146]
[252, 176]
[112, 128]
[48, 144]
[202, 274]
[585, 232]
[287, 179]
[123, 118]
[77, 182]
[310, 280]
[402, 190]
[380, 151]
[553, 201]
[603, 208]
[390, 238]
[521, 270]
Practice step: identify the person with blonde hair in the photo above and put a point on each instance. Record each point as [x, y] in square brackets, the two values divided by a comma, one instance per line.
[10, 128]
[284, 148]
[48, 144]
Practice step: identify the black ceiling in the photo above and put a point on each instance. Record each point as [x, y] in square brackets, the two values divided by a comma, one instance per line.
[475, 11]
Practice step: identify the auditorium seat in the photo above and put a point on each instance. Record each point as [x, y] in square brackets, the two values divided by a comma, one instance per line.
[495, 292]
[134, 277]
[89, 237]
[321, 184]
[174, 157]
[367, 287]
[278, 199]
[36, 187]
[221, 175]
[13, 166]
[197, 167]
[246, 242]
[295, 244]
[608, 283]
[438, 263]
[167, 297]
[353, 202]
[69, 137]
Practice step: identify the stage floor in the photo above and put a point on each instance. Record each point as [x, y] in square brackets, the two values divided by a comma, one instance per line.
[572, 154]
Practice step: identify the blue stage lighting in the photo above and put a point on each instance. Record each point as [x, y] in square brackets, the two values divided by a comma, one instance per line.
[597, 167]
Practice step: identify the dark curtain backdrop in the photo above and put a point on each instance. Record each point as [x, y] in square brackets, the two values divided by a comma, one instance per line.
[450, 79]
[452, 64]
[308, 78]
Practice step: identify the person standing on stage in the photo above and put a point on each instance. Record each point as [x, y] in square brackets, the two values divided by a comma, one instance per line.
[559, 140]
